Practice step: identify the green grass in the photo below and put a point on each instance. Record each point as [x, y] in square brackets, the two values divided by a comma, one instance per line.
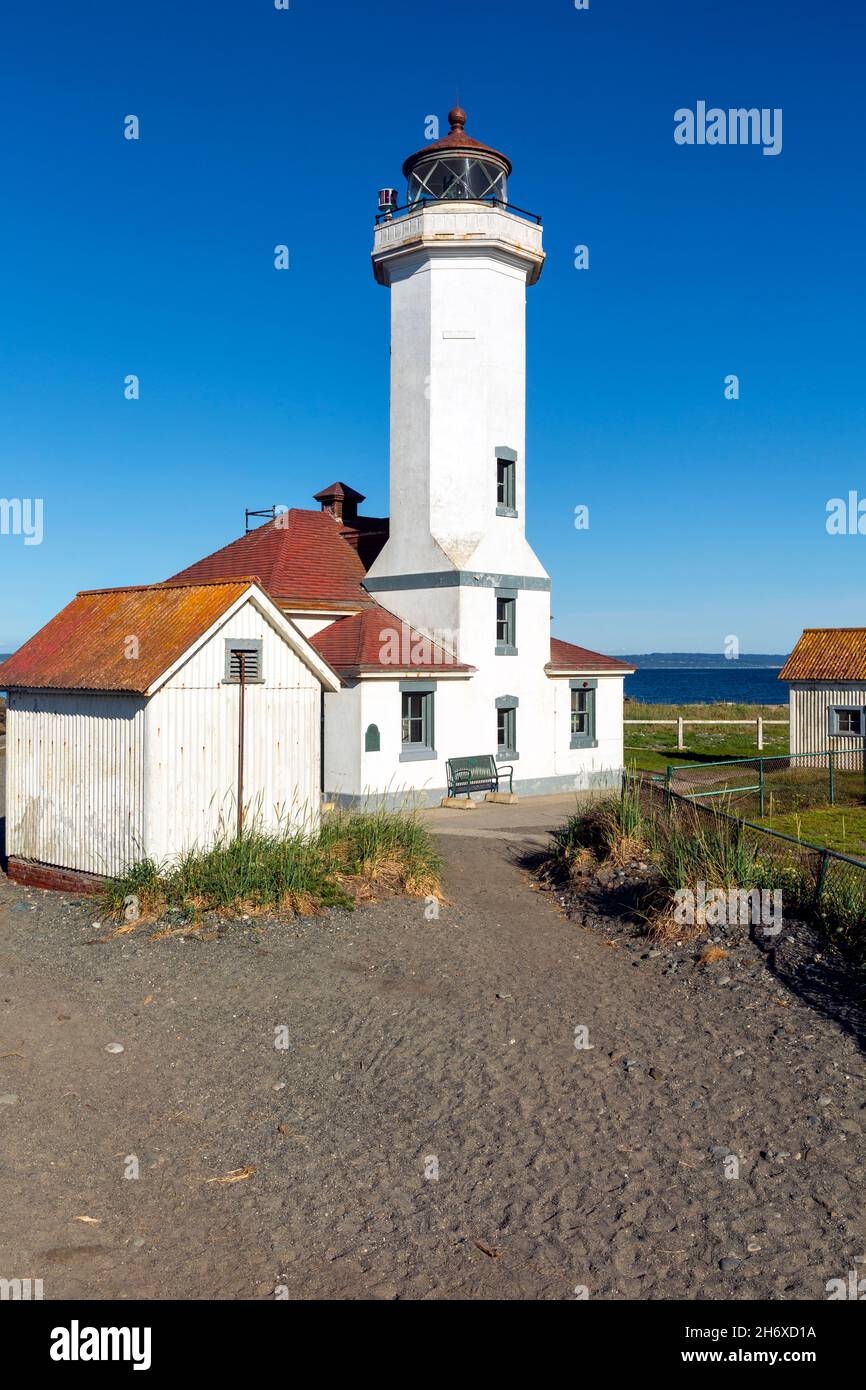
[842, 828]
[651, 747]
[352, 856]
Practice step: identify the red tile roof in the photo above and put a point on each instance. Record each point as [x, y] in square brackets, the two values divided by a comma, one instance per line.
[301, 558]
[377, 640]
[87, 645]
[827, 654]
[565, 657]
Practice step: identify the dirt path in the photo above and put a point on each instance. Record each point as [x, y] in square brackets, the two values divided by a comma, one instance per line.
[417, 1045]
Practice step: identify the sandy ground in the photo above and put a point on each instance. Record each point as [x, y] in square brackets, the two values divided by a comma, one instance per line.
[431, 1130]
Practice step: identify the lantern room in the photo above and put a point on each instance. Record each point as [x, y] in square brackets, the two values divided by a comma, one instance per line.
[457, 167]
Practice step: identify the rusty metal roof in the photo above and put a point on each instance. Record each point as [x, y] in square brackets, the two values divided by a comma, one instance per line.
[119, 639]
[826, 654]
[455, 142]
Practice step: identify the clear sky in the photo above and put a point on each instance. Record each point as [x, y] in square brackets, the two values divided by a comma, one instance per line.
[261, 126]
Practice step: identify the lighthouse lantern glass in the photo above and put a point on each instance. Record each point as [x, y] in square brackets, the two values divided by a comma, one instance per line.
[457, 176]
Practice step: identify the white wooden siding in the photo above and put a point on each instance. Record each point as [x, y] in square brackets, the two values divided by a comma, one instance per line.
[75, 779]
[192, 744]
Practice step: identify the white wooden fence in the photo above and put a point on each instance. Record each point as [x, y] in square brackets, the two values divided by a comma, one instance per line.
[758, 725]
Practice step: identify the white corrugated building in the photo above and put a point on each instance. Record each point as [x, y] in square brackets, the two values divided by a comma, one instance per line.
[124, 727]
[826, 675]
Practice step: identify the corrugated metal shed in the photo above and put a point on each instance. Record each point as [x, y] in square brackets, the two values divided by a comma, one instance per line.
[825, 654]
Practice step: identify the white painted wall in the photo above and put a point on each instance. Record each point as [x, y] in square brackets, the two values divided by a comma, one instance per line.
[465, 723]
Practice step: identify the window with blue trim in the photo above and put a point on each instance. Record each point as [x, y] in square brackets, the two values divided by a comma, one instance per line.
[506, 623]
[846, 719]
[583, 695]
[416, 723]
[506, 732]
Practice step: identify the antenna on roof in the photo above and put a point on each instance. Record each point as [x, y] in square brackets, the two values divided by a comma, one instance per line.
[269, 513]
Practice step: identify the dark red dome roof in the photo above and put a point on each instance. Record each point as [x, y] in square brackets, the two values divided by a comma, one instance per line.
[456, 142]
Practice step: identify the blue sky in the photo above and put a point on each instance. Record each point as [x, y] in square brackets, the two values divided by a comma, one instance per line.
[259, 126]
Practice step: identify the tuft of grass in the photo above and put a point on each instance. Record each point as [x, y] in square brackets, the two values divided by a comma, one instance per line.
[352, 856]
[615, 829]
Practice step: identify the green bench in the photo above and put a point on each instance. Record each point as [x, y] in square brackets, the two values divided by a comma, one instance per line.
[476, 774]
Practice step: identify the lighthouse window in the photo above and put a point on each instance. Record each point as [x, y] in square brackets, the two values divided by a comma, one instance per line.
[504, 486]
[506, 481]
[506, 622]
[457, 176]
[416, 731]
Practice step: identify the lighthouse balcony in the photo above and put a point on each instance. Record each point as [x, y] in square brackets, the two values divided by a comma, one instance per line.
[465, 224]
[449, 202]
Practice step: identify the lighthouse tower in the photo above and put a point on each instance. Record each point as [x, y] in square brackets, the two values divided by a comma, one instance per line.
[457, 260]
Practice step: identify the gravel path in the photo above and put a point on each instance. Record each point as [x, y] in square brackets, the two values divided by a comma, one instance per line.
[417, 1046]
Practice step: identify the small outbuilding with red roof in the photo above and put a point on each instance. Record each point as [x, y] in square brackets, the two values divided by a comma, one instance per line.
[140, 719]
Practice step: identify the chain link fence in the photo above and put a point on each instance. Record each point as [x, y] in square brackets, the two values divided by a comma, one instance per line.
[819, 883]
[773, 786]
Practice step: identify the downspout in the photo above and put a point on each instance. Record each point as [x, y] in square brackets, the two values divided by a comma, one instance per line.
[242, 656]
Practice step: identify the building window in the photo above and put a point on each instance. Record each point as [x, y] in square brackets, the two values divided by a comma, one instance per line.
[506, 726]
[583, 694]
[506, 622]
[846, 719]
[416, 720]
[506, 474]
[247, 653]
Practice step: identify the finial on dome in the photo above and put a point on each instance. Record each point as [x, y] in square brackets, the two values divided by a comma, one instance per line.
[457, 117]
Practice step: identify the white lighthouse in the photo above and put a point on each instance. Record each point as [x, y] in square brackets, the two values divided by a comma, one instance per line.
[457, 263]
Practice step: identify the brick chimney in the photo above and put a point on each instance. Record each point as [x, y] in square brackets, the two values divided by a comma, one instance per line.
[341, 501]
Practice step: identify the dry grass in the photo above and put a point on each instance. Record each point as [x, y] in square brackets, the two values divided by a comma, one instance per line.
[625, 849]
[662, 925]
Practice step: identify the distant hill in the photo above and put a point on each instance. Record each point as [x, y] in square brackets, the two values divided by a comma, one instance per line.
[703, 661]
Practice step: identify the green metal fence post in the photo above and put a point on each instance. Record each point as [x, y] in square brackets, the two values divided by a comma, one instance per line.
[761, 783]
[822, 872]
[832, 784]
